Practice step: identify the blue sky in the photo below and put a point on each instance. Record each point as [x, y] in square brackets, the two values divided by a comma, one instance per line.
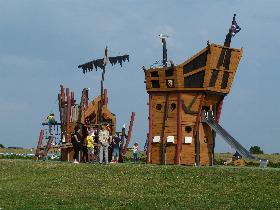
[43, 42]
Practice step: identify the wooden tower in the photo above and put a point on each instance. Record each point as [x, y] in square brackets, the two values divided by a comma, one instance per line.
[178, 94]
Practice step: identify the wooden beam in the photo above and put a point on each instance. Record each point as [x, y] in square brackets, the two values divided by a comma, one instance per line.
[196, 132]
[105, 97]
[40, 139]
[219, 111]
[62, 95]
[129, 132]
[150, 140]
[165, 115]
[68, 135]
[179, 130]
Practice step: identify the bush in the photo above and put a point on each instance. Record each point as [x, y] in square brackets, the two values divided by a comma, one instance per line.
[256, 150]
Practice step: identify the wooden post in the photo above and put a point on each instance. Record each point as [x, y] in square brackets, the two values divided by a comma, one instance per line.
[129, 132]
[40, 139]
[67, 93]
[150, 140]
[105, 100]
[165, 115]
[196, 132]
[122, 148]
[72, 98]
[68, 117]
[62, 95]
[219, 111]
[179, 130]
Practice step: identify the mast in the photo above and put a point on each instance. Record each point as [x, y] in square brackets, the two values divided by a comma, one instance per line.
[101, 64]
[164, 49]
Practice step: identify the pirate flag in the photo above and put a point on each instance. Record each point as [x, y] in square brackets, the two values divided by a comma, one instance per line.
[234, 29]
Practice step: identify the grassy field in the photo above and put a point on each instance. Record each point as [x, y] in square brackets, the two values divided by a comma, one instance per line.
[274, 158]
[16, 151]
[26, 184]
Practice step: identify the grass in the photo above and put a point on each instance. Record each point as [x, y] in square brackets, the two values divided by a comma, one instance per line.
[25, 184]
[16, 151]
[274, 158]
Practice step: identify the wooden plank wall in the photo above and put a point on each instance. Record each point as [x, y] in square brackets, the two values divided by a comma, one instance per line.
[188, 119]
[213, 57]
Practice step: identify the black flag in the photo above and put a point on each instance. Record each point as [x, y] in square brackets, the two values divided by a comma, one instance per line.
[234, 29]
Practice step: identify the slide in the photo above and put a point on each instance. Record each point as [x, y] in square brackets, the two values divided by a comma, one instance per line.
[210, 120]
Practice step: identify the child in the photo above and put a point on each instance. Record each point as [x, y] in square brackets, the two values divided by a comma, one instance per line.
[135, 152]
[90, 146]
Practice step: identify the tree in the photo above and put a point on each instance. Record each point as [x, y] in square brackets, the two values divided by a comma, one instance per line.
[256, 150]
[2, 146]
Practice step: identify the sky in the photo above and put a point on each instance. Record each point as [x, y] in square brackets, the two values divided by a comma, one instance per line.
[43, 42]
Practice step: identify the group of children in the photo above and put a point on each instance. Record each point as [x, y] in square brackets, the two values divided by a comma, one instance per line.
[93, 144]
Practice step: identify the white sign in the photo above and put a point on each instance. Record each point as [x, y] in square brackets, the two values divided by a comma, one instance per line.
[188, 140]
[156, 139]
[170, 139]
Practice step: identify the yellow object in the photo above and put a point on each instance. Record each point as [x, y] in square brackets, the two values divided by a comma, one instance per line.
[90, 143]
[50, 117]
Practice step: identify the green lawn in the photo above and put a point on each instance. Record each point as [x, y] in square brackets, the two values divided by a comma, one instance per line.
[17, 151]
[273, 158]
[26, 184]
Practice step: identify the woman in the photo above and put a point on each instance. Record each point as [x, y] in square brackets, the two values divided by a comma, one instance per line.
[75, 140]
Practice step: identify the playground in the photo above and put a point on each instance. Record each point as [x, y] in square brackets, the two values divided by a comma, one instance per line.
[139, 105]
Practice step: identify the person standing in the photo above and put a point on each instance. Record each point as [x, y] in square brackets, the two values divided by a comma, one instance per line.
[76, 140]
[104, 138]
[90, 146]
[135, 152]
[116, 142]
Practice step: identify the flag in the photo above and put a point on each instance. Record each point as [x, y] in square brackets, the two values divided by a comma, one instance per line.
[234, 29]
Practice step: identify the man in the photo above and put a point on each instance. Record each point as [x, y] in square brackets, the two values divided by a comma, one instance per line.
[116, 142]
[104, 139]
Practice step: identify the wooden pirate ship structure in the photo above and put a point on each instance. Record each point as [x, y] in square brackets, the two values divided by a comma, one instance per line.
[185, 103]
[86, 114]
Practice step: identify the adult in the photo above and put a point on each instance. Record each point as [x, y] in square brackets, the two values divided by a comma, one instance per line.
[104, 140]
[76, 141]
[116, 142]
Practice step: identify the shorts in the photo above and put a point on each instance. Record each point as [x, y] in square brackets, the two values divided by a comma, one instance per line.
[90, 150]
[116, 152]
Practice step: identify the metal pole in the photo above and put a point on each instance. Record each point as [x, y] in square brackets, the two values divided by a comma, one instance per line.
[164, 52]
